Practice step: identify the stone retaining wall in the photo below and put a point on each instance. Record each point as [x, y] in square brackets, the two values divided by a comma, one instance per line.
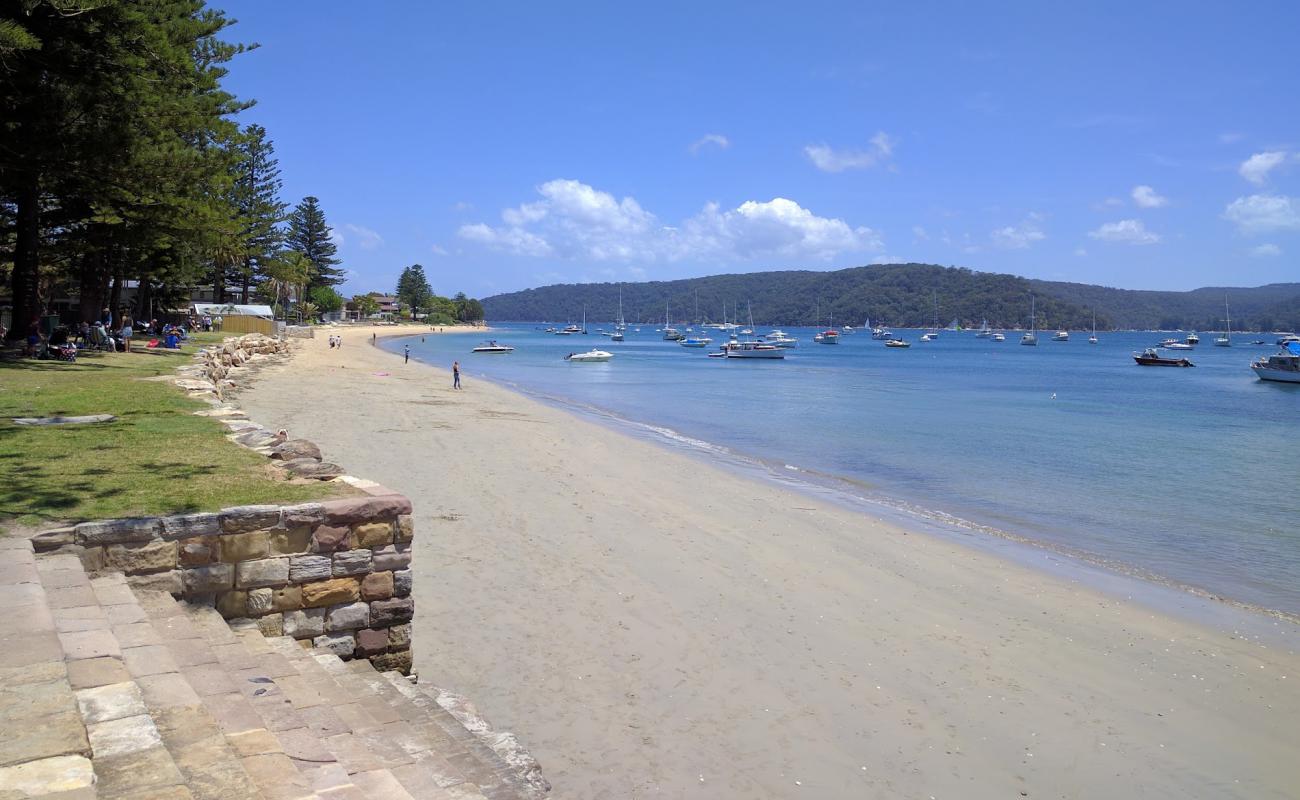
[337, 572]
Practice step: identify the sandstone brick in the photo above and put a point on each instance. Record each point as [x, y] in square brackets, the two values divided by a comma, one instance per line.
[271, 625]
[215, 578]
[340, 644]
[264, 572]
[286, 598]
[401, 582]
[393, 556]
[238, 547]
[295, 539]
[92, 558]
[405, 528]
[331, 592]
[351, 562]
[308, 622]
[371, 642]
[243, 519]
[304, 568]
[259, 602]
[371, 534]
[347, 616]
[53, 539]
[350, 510]
[377, 586]
[199, 550]
[141, 557]
[117, 531]
[384, 613]
[233, 604]
[399, 636]
[399, 660]
[188, 526]
[328, 538]
[168, 581]
[304, 514]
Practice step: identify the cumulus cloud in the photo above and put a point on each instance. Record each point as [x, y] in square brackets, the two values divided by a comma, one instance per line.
[828, 159]
[709, 140]
[366, 238]
[1256, 168]
[1019, 237]
[576, 221]
[1263, 213]
[1126, 231]
[1266, 251]
[1146, 197]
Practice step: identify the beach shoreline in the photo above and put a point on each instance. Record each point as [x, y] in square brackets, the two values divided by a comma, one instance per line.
[716, 637]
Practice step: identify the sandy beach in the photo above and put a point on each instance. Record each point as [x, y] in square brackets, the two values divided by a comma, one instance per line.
[650, 625]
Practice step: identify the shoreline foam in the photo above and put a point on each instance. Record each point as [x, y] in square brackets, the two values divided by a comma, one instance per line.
[716, 636]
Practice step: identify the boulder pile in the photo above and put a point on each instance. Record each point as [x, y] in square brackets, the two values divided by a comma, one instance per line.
[211, 374]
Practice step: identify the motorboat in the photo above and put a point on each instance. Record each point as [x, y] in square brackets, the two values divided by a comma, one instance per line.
[1193, 339]
[1152, 358]
[896, 343]
[751, 350]
[493, 347]
[998, 337]
[828, 336]
[1283, 367]
[571, 329]
[695, 341]
[1061, 336]
[616, 336]
[880, 333]
[929, 337]
[1287, 339]
[590, 356]
[781, 339]
[1171, 344]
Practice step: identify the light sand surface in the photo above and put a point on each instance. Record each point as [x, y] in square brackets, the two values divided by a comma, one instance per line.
[654, 626]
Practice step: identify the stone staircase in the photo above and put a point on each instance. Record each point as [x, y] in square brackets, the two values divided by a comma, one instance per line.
[113, 692]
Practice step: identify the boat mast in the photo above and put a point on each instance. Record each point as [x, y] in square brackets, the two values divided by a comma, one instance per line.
[1227, 319]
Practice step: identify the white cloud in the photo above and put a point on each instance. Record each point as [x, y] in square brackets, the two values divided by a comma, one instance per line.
[1266, 251]
[1262, 213]
[1256, 168]
[827, 159]
[1126, 231]
[888, 260]
[1019, 237]
[709, 140]
[366, 239]
[576, 221]
[1080, 252]
[438, 250]
[1146, 197]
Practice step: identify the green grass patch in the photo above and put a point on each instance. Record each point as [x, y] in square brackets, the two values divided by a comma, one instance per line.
[155, 458]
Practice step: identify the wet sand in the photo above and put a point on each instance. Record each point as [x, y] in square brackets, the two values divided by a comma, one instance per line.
[654, 626]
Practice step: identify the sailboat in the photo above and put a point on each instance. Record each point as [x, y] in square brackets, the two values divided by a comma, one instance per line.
[985, 331]
[830, 335]
[621, 325]
[1226, 339]
[1093, 338]
[1031, 338]
[671, 334]
[933, 333]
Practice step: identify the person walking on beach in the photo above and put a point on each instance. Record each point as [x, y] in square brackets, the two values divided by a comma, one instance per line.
[406, 359]
[455, 374]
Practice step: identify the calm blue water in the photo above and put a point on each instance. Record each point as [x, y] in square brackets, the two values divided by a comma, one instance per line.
[1187, 474]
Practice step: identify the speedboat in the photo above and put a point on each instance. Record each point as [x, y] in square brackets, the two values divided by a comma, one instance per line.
[781, 339]
[590, 355]
[1193, 339]
[493, 347]
[1061, 336]
[1173, 345]
[998, 337]
[695, 341]
[928, 337]
[1283, 367]
[1152, 358]
[1287, 339]
[751, 350]
[896, 343]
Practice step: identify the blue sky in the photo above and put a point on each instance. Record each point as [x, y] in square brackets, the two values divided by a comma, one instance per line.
[507, 145]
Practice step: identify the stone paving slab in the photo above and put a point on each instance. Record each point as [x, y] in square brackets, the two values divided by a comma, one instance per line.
[121, 775]
[89, 644]
[47, 776]
[116, 737]
[113, 701]
[61, 734]
[91, 672]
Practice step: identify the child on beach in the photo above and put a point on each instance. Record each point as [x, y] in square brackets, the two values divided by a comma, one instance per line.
[455, 374]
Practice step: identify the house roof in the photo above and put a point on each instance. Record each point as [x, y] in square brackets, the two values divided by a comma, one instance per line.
[232, 308]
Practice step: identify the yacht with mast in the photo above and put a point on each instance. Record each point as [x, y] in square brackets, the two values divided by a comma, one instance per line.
[1031, 337]
[1226, 339]
[1093, 338]
[671, 334]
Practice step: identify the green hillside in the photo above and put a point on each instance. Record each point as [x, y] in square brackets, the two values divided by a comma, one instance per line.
[898, 295]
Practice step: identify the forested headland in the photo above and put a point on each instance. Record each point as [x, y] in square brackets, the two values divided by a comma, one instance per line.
[902, 295]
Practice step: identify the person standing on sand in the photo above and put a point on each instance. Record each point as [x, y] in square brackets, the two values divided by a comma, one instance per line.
[455, 374]
[406, 355]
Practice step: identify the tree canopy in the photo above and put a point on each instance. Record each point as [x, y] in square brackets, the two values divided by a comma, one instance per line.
[311, 235]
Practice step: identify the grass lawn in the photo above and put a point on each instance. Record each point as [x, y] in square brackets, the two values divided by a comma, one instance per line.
[155, 458]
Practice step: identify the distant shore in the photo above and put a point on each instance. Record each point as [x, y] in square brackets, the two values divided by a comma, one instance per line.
[718, 637]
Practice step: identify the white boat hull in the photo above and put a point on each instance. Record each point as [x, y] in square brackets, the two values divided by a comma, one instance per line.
[1280, 375]
[594, 357]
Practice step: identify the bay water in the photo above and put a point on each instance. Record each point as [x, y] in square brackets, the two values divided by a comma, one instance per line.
[1181, 475]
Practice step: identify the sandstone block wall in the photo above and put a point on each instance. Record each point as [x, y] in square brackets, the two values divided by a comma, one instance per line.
[337, 573]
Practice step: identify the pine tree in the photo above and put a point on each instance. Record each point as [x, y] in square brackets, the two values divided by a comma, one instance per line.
[309, 234]
[256, 199]
[413, 288]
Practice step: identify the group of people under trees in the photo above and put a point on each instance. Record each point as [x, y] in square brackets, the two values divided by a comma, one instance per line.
[106, 332]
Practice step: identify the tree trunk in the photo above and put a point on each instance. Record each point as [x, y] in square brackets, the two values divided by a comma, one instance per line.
[26, 272]
[91, 292]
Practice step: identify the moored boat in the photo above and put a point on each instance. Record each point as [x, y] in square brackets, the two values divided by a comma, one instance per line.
[493, 347]
[1061, 336]
[751, 350]
[998, 337]
[1283, 367]
[896, 343]
[1152, 358]
[589, 356]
